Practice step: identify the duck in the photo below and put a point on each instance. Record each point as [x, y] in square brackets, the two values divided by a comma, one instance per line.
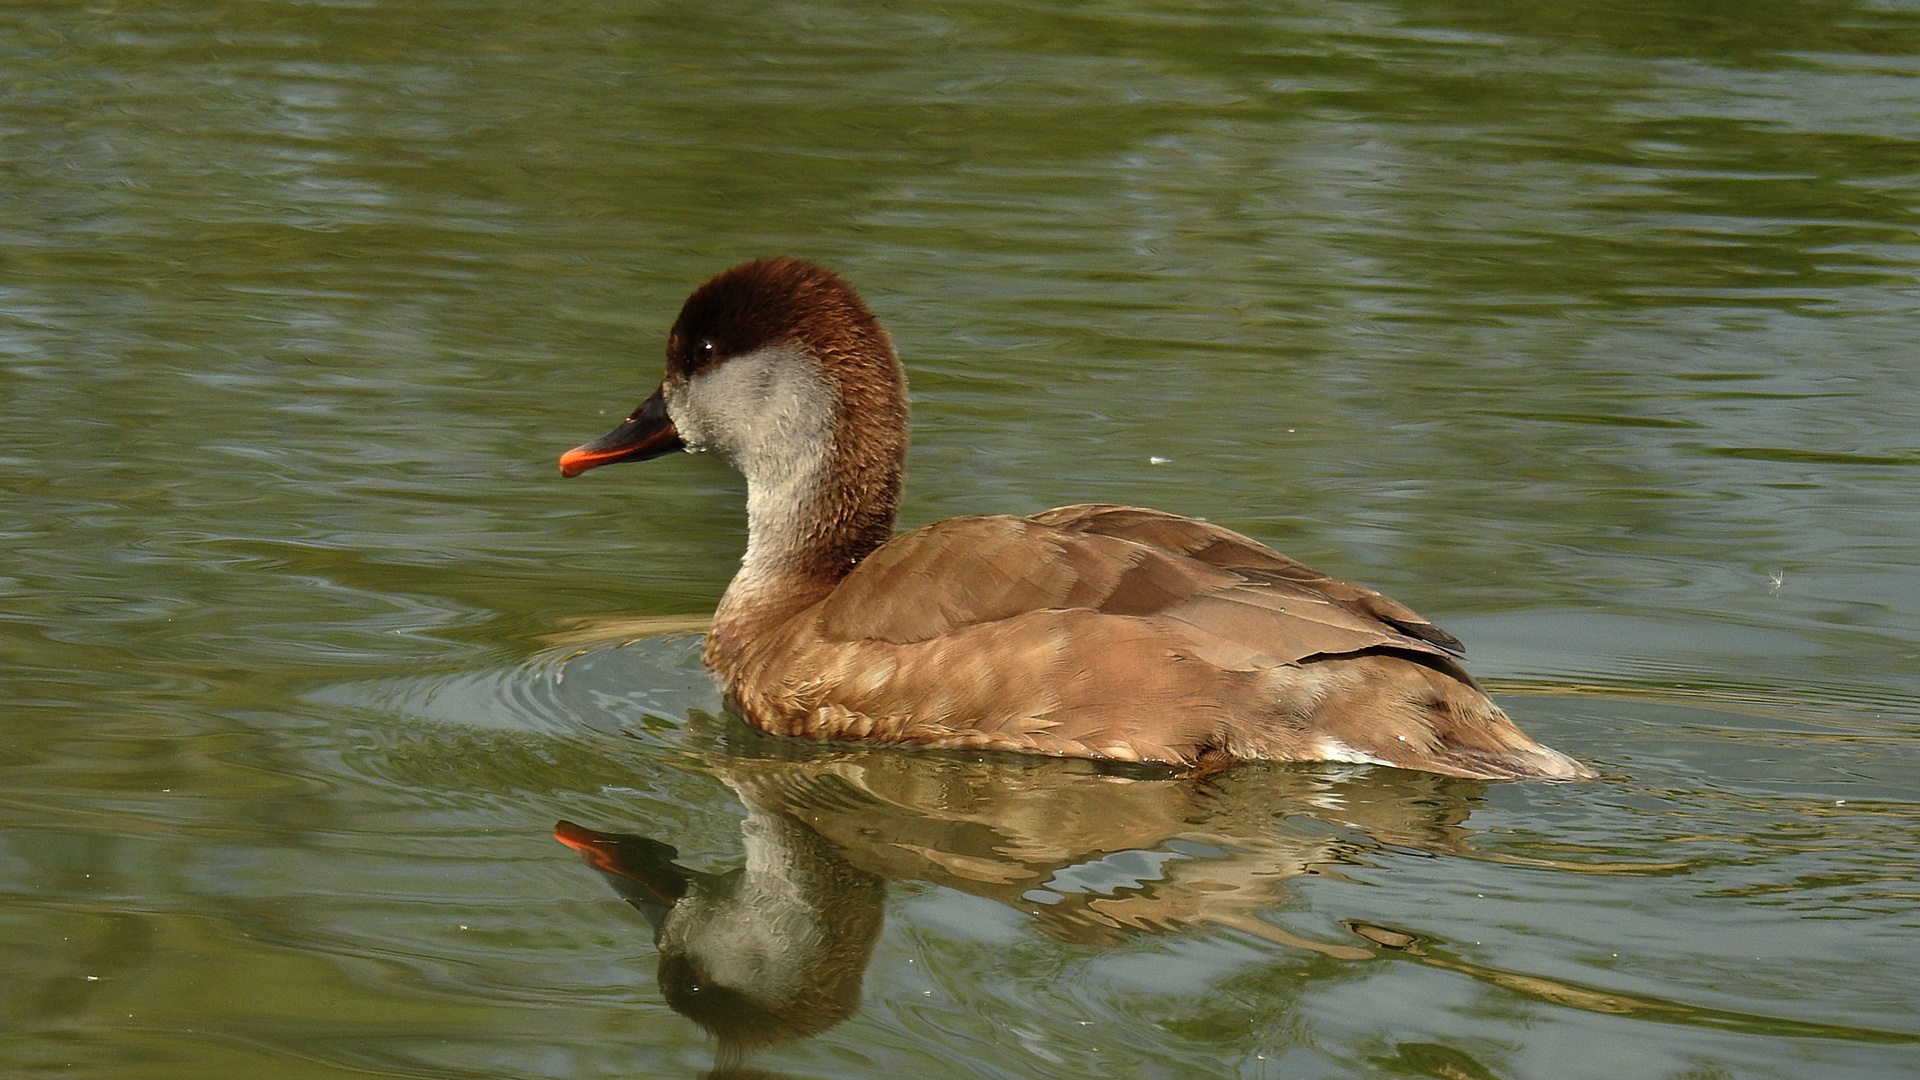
[1098, 631]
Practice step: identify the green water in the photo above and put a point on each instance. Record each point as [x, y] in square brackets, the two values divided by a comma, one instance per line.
[1589, 330]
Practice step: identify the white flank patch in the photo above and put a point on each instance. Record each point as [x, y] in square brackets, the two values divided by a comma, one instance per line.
[1331, 749]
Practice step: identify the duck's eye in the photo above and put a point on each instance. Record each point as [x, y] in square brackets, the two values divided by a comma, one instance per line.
[706, 349]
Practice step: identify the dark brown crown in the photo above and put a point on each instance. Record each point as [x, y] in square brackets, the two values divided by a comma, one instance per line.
[769, 302]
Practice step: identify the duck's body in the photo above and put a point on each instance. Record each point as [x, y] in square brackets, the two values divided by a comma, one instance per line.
[1087, 631]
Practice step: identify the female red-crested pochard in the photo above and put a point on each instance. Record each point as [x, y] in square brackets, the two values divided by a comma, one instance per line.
[1088, 631]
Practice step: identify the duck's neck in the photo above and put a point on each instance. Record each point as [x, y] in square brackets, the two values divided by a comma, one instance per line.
[813, 512]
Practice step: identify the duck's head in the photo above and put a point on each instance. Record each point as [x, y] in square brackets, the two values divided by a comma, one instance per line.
[774, 364]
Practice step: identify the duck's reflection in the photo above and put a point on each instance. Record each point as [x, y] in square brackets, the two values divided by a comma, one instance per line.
[767, 953]
[776, 949]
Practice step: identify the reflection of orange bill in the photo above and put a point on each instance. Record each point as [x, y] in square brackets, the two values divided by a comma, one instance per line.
[646, 863]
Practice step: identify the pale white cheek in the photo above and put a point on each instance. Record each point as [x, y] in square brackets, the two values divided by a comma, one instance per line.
[762, 410]
[700, 427]
[692, 427]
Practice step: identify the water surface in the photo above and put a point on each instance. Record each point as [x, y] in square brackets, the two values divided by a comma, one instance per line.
[1586, 330]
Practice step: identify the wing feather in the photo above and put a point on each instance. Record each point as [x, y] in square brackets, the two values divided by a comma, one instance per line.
[1239, 604]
